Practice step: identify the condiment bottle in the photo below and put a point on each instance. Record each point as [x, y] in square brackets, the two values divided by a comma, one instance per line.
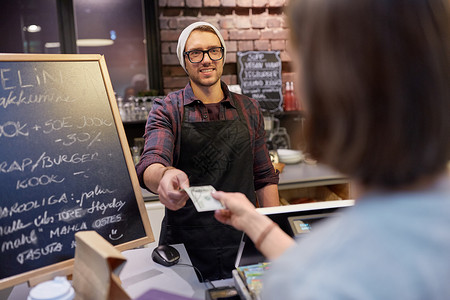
[289, 101]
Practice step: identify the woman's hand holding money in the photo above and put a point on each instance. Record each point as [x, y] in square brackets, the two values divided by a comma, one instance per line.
[238, 209]
[242, 215]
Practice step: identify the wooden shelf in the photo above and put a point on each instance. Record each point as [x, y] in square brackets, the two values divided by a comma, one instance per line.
[301, 183]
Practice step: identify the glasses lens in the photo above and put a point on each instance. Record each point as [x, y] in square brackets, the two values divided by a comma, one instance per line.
[215, 53]
[195, 56]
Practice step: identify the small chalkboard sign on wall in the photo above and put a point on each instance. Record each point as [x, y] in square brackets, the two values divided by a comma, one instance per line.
[65, 165]
[259, 74]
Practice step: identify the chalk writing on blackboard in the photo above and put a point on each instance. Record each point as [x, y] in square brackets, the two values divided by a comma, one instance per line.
[259, 74]
[62, 164]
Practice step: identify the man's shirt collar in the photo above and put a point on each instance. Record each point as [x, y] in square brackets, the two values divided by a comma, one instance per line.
[189, 96]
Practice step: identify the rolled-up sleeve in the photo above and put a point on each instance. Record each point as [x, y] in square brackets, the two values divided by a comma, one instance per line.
[160, 136]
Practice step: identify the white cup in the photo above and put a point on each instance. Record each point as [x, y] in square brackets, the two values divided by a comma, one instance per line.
[57, 289]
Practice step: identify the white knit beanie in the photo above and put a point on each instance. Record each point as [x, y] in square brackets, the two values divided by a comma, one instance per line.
[184, 36]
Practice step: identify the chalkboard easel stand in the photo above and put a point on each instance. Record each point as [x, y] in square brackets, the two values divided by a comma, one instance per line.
[66, 164]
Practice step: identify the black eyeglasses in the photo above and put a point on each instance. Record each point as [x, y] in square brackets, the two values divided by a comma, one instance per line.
[196, 56]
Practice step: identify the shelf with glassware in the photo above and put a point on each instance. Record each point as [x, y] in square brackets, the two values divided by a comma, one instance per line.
[133, 112]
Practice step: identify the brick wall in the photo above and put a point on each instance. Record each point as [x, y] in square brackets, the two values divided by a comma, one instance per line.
[245, 25]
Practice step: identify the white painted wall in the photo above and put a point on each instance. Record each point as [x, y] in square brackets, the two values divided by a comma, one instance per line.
[155, 211]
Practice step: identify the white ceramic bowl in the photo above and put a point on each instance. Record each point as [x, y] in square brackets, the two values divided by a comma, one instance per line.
[289, 156]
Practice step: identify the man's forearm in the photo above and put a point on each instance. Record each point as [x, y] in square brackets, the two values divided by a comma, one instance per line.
[268, 196]
[153, 175]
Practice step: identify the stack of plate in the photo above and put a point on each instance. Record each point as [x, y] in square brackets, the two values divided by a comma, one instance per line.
[289, 156]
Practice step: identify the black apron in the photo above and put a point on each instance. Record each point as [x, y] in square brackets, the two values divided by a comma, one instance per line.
[216, 153]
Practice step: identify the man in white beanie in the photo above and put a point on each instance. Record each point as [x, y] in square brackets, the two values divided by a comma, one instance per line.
[205, 135]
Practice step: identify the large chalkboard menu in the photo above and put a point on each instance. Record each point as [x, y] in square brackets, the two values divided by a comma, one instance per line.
[259, 74]
[65, 165]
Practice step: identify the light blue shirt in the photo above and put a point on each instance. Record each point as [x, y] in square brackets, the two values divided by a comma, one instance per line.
[387, 246]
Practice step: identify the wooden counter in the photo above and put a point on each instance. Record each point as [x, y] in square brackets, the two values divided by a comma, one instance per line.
[306, 175]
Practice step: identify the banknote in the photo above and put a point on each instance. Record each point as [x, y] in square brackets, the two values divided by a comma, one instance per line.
[202, 199]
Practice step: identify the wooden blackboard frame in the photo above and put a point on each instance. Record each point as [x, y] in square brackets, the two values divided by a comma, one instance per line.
[66, 267]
